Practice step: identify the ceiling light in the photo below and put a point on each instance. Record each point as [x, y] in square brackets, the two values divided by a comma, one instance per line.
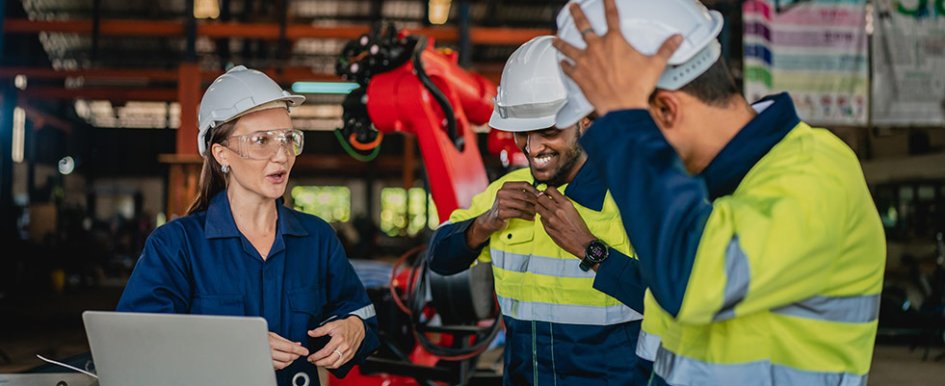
[206, 9]
[438, 11]
[324, 87]
[19, 134]
[66, 165]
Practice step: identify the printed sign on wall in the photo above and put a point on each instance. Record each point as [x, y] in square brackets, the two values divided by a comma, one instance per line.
[909, 63]
[815, 50]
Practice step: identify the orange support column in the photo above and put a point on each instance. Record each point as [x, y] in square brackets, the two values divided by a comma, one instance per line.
[186, 163]
[188, 94]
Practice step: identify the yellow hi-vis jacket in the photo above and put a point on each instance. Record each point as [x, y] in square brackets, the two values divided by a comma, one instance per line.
[766, 268]
[560, 328]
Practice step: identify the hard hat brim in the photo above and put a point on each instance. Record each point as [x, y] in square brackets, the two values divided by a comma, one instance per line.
[572, 112]
[517, 125]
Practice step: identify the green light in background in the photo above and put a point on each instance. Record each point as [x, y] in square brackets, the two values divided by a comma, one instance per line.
[324, 87]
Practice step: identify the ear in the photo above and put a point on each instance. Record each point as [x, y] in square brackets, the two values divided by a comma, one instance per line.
[520, 139]
[219, 153]
[583, 124]
[665, 109]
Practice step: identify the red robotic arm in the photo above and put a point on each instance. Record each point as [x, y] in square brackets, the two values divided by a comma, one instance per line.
[428, 95]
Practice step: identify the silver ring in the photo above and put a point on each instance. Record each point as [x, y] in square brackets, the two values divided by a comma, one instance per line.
[586, 30]
[340, 355]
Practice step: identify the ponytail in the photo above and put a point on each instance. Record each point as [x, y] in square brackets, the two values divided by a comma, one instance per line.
[212, 179]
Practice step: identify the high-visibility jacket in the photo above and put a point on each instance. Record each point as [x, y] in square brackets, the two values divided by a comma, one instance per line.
[766, 268]
[560, 329]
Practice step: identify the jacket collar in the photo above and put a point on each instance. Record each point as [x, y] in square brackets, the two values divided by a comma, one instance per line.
[776, 118]
[588, 188]
[220, 223]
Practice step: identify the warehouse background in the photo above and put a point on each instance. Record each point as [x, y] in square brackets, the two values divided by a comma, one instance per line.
[98, 120]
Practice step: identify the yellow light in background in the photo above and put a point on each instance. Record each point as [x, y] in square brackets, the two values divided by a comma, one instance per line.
[19, 134]
[439, 11]
[206, 9]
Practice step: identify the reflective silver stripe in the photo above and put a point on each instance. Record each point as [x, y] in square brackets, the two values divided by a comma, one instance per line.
[848, 309]
[647, 345]
[554, 370]
[567, 313]
[680, 370]
[541, 265]
[364, 312]
[738, 277]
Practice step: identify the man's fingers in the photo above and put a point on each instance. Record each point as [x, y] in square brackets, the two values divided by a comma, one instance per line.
[279, 365]
[526, 216]
[519, 186]
[518, 204]
[569, 69]
[669, 47]
[522, 195]
[546, 210]
[555, 195]
[525, 187]
[567, 49]
[509, 213]
[613, 18]
[546, 203]
[581, 22]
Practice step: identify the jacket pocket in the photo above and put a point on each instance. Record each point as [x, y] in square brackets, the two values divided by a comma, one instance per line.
[307, 305]
[517, 232]
[225, 305]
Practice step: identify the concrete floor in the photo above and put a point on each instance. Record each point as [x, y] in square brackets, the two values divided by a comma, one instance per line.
[55, 330]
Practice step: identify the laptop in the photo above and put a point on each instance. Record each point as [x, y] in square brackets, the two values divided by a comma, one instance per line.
[171, 350]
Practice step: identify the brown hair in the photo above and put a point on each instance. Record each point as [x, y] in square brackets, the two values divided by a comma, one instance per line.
[212, 179]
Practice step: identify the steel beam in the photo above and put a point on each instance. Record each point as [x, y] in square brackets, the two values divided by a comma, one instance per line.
[264, 31]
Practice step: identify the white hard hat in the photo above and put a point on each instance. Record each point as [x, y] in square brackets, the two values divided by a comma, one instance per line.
[646, 24]
[531, 90]
[236, 93]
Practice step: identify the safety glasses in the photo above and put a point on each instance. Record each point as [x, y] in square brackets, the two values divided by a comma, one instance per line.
[262, 145]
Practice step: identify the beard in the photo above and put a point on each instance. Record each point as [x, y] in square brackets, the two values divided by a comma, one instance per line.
[560, 175]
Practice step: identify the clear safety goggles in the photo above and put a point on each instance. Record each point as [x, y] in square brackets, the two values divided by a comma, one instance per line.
[262, 145]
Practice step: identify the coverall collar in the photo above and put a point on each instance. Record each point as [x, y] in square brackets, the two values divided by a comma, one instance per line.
[776, 118]
[220, 223]
[588, 188]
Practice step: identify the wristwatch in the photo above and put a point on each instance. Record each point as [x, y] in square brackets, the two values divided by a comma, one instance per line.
[595, 253]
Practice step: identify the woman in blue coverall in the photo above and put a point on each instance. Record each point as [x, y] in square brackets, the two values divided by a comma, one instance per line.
[240, 251]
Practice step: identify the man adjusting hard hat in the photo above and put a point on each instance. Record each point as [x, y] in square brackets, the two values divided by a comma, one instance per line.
[562, 327]
[756, 233]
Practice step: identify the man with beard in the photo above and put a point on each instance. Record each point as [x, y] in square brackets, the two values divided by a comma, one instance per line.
[562, 327]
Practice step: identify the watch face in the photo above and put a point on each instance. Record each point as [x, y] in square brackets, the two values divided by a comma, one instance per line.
[596, 251]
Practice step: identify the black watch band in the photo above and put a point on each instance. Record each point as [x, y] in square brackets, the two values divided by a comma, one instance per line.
[595, 253]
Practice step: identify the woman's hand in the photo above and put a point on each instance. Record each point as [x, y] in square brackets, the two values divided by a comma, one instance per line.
[346, 336]
[284, 351]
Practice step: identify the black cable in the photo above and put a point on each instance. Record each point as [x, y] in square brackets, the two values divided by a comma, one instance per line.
[417, 303]
[438, 95]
